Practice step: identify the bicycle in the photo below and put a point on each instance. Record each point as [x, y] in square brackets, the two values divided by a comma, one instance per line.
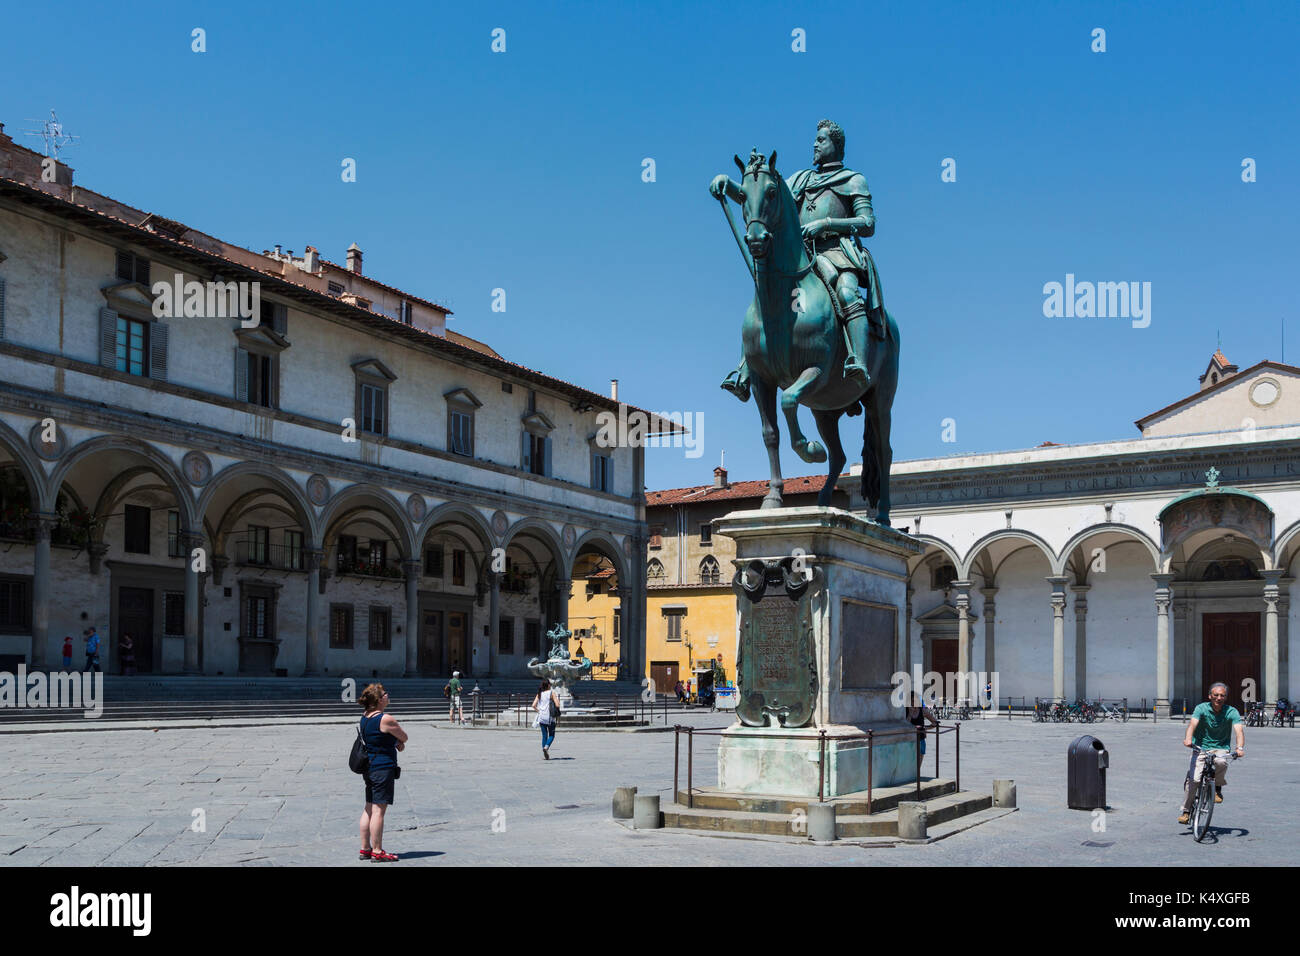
[1203, 802]
[1256, 716]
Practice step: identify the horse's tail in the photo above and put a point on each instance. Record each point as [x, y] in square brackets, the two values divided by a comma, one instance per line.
[870, 466]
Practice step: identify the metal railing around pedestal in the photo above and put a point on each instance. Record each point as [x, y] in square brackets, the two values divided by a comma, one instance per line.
[870, 736]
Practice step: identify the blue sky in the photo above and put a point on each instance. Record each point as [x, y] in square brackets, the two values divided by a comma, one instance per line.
[522, 171]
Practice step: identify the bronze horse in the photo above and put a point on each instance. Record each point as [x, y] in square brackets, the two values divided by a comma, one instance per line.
[793, 341]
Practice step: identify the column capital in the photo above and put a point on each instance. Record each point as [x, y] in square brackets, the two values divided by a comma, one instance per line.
[1058, 582]
[43, 524]
[313, 559]
[411, 568]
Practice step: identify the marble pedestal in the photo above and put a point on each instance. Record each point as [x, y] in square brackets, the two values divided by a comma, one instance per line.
[854, 612]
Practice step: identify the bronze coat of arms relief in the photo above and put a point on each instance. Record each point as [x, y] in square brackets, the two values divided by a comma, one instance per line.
[776, 664]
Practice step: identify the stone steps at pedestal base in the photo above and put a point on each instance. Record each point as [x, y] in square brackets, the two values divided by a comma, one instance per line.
[882, 799]
[942, 808]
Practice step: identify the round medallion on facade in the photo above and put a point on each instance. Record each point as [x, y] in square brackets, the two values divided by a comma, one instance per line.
[569, 535]
[1265, 392]
[197, 468]
[318, 489]
[47, 439]
[416, 509]
[500, 523]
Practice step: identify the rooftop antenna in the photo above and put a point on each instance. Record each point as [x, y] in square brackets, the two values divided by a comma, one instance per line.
[52, 132]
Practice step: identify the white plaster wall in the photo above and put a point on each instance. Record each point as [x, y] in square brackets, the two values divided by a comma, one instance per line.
[1121, 621]
[1023, 631]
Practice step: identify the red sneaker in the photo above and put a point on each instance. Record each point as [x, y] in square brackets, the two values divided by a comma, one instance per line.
[367, 854]
[379, 856]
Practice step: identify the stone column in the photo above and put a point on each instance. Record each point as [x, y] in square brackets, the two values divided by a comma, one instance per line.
[190, 541]
[1284, 637]
[564, 586]
[313, 557]
[963, 638]
[494, 619]
[1080, 639]
[1271, 661]
[1058, 636]
[43, 525]
[990, 612]
[412, 571]
[1163, 597]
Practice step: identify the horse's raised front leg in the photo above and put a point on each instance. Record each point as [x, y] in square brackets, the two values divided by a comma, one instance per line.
[807, 450]
[765, 399]
[828, 426]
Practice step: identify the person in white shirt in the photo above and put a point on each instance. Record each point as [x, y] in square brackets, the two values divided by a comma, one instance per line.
[547, 706]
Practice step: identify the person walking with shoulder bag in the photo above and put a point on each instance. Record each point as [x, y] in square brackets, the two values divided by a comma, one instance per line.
[547, 706]
[382, 737]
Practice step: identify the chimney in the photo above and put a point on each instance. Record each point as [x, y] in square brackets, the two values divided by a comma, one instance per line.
[277, 250]
[720, 477]
[354, 258]
[613, 389]
[311, 260]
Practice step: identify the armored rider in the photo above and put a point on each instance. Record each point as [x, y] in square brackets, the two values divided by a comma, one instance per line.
[834, 206]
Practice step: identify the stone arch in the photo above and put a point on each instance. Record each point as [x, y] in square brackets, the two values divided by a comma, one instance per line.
[539, 529]
[359, 498]
[710, 570]
[28, 467]
[1006, 534]
[107, 445]
[1287, 547]
[1122, 532]
[604, 542]
[281, 485]
[456, 513]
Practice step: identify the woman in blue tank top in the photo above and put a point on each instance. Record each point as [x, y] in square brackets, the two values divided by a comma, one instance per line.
[383, 737]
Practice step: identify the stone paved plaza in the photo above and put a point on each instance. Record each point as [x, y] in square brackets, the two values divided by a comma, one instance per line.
[281, 794]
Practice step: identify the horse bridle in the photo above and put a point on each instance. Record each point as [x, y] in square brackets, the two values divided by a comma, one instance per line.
[808, 242]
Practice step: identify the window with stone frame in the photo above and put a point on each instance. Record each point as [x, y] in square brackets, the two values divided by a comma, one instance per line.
[506, 636]
[294, 557]
[381, 638]
[461, 407]
[174, 613]
[132, 268]
[706, 534]
[433, 562]
[15, 604]
[135, 534]
[673, 618]
[655, 571]
[942, 577]
[535, 443]
[371, 409]
[131, 338]
[656, 537]
[458, 567]
[341, 626]
[709, 570]
[532, 636]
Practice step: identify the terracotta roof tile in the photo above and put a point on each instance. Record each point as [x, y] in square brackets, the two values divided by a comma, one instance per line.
[737, 489]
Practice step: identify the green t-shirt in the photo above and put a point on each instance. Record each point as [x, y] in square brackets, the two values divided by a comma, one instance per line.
[454, 684]
[1214, 731]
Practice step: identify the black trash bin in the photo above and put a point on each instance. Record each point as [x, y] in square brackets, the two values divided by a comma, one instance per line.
[1086, 775]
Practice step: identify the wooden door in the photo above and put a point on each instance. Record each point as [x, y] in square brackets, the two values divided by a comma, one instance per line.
[457, 644]
[943, 660]
[431, 644]
[134, 617]
[1230, 653]
[665, 675]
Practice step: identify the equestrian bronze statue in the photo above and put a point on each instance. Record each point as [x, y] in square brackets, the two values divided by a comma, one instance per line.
[817, 328]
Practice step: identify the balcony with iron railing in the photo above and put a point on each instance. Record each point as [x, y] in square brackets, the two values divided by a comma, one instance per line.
[258, 554]
[369, 566]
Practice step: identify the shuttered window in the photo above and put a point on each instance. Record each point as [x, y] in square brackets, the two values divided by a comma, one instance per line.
[373, 401]
[536, 452]
[132, 345]
[132, 268]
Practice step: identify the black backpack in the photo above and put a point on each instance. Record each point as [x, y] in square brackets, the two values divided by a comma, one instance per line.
[359, 759]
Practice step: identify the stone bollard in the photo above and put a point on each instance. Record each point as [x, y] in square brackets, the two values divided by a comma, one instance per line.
[623, 802]
[1004, 793]
[821, 822]
[913, 820]
[645, 815]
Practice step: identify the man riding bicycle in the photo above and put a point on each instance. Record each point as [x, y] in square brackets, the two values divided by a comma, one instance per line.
[1211, 728]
